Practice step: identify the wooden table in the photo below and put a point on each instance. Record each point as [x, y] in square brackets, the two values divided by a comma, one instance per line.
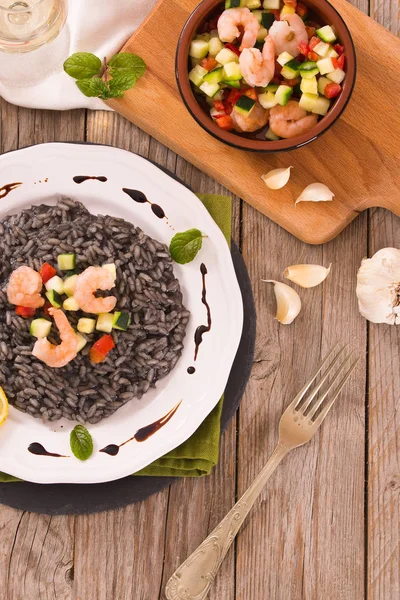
[327, 526]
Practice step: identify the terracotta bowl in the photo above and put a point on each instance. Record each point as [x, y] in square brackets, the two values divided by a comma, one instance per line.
[327, 15]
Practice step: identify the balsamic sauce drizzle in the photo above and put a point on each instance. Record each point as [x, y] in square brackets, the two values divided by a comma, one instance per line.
[138, 196]
[202, 329]
[39, 450]
[191, 370]
[6, 189]
[82, 178]
[143, 433]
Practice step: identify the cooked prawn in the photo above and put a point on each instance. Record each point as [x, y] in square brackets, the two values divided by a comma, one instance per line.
[60, 355]
[228, 26]
[256, 119]
[258, 67]
[24, 288]
[290, 120]
[87, 283]
[288, 33]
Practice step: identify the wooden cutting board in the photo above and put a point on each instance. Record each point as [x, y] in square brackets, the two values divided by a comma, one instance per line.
[358, 158]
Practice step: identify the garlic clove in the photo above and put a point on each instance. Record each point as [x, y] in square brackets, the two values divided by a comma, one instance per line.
[276, 178]
[307, 276]
[288, 303]
[315, 192]
[378, 287]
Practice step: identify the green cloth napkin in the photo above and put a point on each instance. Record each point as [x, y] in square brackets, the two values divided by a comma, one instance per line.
[199, 454]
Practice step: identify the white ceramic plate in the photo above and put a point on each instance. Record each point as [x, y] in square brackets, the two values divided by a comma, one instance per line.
[46, 172]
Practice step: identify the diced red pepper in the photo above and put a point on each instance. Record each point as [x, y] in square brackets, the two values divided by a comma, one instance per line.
[228, 108]
[101, 348]
[301, 10]
[219, 105]
[233, 48]
[310, 31]
[313, 42]
[251, 93]
[234, 96]
[277, 14]
[46, 307]
[303, 48]
[339, 49]
[313, 56]
[224, 121]
[47, 272]
[24, 311]
[338, 63]
[278, 69]
[332, 90]
[209, 63]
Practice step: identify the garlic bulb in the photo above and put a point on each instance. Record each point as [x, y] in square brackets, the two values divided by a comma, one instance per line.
[276, 178]
[288, 303]
[378, 287]
[307, 276]
[316, 192]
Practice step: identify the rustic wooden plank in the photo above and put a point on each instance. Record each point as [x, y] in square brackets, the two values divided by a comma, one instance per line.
[305, 537]
[383, 475]
[36, 551]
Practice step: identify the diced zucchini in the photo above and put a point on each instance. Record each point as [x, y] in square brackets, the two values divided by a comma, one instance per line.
[54, 298]
[272, 4]
[291, 69]
[71, 304]
[111, 268]
[122, 320]
[40, 328]
[326, 34]
[253, 4]
[55, 283]
[283, 94]
[86, 325]
[267, 100]
[321, 106]
[245, 105]
[72, 272]
[284, 58]
[322, 83]
[210, 89]
[308, 69]
[270, 135]
[232, 4]
[309, 86]
[196, 75]
[262, 34]
[82, 341]
[267, 19]
[66, 262]
[258, 14]
[105, 322]
[325, 65]
[226, 56]
[272, 87]
[69, 285]
[331, 53]
[321, 49]
[198, 49]
[215, 46]
[232, 83]
[218, 96]
[214, 76]
[287, 10]
[308, 102]
[337, 75]
[232, 71]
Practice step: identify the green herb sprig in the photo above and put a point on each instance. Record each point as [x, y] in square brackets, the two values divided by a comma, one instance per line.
[104, 80]
[81, 442]
[184, 246]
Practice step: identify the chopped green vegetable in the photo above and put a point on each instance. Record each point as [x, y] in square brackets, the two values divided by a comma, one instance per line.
[121, 320]
[81, 442]
[40, 328]
[185, 246]
[86, 325]
[105, 322]
[54, 298]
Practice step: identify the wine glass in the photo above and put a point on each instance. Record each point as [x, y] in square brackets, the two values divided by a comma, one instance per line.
[31, 26]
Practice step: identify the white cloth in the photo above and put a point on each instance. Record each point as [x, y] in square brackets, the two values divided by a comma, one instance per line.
[97, 26]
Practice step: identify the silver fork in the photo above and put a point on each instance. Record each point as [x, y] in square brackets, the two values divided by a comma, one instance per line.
[302, 418]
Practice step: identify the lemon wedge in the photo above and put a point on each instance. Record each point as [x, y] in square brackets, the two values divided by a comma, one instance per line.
[3, 406]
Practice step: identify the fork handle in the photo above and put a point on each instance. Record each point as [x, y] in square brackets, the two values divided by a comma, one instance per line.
[193, 579]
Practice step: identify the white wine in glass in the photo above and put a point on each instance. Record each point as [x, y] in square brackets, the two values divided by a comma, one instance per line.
[27, 26]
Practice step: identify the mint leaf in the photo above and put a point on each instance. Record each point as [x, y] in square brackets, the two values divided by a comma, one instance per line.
[81, 442]
[82, 65]
[127, 62]
[93, 87]
[122, 81]
[185, 246]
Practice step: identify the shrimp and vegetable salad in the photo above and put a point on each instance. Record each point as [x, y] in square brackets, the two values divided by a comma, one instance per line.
[271, 70]
[91, 314]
